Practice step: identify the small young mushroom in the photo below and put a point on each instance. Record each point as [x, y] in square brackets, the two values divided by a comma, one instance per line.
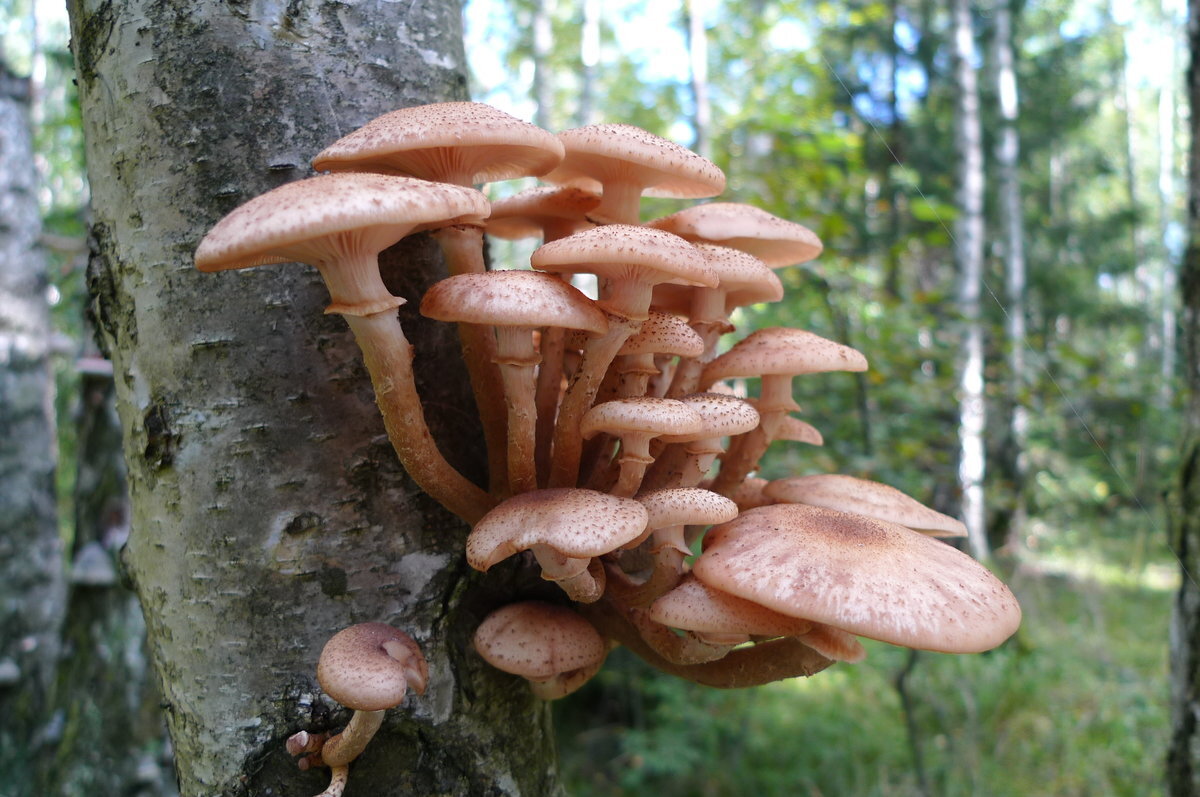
[550, 646]
[635, 421]
[688, 458]
[864, 497]
[566, 529]
[369, 668]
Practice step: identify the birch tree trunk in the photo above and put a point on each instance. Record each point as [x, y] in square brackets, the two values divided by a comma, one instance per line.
[1183, 759]
[697, 43]
[968, 254]
[268, 510]
[32, 586]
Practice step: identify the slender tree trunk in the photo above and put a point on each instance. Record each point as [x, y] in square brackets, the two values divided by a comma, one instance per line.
[589, 56]
[968, 253]
[697, 41]
[1183, 760]
[32, 586]
[1008, 153]
[268, 509]
[543, 75]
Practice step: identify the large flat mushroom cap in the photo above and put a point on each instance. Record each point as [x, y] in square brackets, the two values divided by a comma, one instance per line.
[512, 298]
[597, 153]
[869, 577]
[775, 241]
[577, 523]
[283, 224]
[465, 142]
[782, 351]
[864, 497]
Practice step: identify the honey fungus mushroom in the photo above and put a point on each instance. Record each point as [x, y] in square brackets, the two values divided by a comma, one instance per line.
[550, 646]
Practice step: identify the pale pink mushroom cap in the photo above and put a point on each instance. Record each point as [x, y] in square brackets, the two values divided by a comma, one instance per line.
[773, 240]
[864, 497]
[541, 642]
[371, 666]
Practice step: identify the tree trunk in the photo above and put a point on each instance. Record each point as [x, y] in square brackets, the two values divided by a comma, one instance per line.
[697, 42]
[268, 510]
[32, 587]
[968, 254]
[1008, 153]
[1183, 759]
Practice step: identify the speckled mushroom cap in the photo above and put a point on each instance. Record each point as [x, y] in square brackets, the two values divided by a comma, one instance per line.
[663, 333]
[534, 212]
[686, 506]
[454, 142]
[632, 259]
[775, 241]
[692, 605]
[723, 415]
[782, 351]
[538, 641]
[645, 415]
[868, 577]
[864, 497]
[798, 431]
[338, 223]
[512, 298]
[742, 280]
[577, 523]
[370, 667]
[595, 154]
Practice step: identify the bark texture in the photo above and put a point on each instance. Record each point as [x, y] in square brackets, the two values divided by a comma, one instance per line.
[268, 510]
[1183, 760]
[32, 586]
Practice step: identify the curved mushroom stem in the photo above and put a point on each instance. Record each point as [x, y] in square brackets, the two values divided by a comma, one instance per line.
[582, 579]
[346, 746]
[388, 357]
[337, 783]
[462, 249]
[742, 457]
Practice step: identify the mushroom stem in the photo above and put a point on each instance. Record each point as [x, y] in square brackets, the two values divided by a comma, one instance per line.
[620, 203]
[346, 746]
[742, 457]
[462, 249]
[337, 783]
[388, 357]
[549, 389]
[598, 354]
[517, 363]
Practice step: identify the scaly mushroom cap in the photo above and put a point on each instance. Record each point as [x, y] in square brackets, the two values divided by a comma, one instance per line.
[868, 577]
[782, 351]
[742, 280]
[539, 642]
[773, 240]
[370, 667]
[646, 415]
[512, 299]
[662, 333]
[597, 154]
[686, 505]
[692, 605]
[577, 523]
[724, 415]
[337, 223]
[455, 142]
[864, 497]
[534, 212]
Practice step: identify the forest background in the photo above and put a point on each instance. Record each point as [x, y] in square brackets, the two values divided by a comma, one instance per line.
[846, 117]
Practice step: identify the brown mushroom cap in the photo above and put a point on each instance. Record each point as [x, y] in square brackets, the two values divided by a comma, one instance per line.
[370, 667]
[662, 333]
[723, 415]
[773, 240]
[646, 415]
[783, 351]
[596, 154]
[673, 508]
[338, 223]
[869, 577]
[454, 142]
[864, 497]
[577, 523]
[538, 641]
[694, 606]
[536, 212]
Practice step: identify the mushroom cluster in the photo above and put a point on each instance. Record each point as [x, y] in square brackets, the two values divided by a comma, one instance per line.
[605, 416]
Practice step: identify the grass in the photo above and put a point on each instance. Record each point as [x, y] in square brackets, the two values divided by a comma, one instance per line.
[1075, 704]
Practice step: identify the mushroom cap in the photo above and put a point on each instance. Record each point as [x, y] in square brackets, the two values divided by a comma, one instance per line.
[512, 298]
[678, 506]
[782, 351]
[625, 250]
[692, 605]
[663, 333]
[775, 241]
[646, 415]
[459, 142]
[370, 667]
[865, 576]
[538, 641]
[742, 280]
[577, 523]
[864, 497]
[596, 154]
[798, 431]
[723, 415]
[297, 220]
[528, 213]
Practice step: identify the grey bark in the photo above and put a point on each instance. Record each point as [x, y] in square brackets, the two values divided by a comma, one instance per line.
[968, 255]
[268, 510]
[32, 584]
[1183, 758]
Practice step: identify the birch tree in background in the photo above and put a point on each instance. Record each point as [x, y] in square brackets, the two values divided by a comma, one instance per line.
[268, 509]
[968, 256]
